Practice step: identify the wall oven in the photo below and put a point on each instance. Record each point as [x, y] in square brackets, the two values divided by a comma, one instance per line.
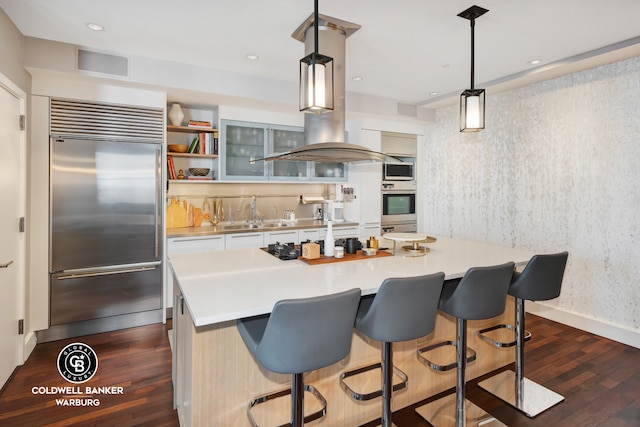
[398, 202]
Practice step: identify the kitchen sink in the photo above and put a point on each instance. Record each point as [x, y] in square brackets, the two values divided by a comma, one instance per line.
[269, 224]
[251, 226]
[241, 227]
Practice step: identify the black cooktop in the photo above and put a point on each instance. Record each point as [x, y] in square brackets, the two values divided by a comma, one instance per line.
[284, 251]
[287, 251]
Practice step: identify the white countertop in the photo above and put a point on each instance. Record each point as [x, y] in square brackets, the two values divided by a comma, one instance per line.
[227, 285]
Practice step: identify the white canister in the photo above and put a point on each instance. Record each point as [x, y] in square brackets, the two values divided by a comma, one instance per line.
[338, 252]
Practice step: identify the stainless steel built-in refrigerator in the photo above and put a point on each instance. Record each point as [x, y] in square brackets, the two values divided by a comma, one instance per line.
[106, 233]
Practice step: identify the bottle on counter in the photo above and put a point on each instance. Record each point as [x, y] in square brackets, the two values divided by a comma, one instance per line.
[329, 242]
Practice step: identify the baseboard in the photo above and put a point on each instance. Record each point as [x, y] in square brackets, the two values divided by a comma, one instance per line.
[608, 330]
[30, 342]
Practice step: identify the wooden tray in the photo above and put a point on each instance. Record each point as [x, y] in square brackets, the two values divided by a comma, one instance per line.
[347, 257]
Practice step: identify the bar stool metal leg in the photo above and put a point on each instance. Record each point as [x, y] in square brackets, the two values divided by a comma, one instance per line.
[297, 401]
[455, 409]
[387, 383]
[461, 383]
[512, 387]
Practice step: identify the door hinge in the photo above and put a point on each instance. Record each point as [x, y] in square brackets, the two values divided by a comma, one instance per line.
[21, 225]
[22, 121]
[21, 327]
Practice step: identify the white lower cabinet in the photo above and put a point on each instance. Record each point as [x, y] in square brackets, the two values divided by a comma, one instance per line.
[370, 229]
[281, 236]
[341, 232]
[244, 240]
[186, 245]
[311, 234]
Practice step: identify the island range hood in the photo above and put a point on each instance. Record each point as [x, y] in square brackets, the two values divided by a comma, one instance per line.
[324, 134]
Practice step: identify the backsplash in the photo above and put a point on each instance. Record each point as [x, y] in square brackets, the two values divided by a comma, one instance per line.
[272, 200]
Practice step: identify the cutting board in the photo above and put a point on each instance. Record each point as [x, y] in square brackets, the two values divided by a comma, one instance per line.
[347, 257]
[177, 214]
[195, 216]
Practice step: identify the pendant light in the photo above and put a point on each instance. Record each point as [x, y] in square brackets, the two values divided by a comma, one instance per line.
[472, 100]
[316, 77]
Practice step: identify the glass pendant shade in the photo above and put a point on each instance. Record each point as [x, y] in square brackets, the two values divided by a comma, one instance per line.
[316, 83]
[472, 110]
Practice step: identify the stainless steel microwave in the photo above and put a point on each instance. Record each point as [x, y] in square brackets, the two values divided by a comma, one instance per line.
[399, 171]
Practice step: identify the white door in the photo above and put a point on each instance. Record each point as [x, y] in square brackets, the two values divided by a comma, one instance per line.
[12, 193]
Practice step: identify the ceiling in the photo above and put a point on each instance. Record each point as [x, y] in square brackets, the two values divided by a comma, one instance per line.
[406, 50]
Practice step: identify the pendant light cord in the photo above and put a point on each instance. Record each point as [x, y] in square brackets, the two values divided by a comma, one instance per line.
[315, 25]
[473, 24]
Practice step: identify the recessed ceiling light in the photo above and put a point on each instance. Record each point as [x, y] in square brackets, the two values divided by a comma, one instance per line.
[357, 78]
[434, 93]
[95, 27]
[534, 61]
[252, 57]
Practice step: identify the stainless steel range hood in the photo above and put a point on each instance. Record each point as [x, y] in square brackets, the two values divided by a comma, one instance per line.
[334, 152]
[324, 134]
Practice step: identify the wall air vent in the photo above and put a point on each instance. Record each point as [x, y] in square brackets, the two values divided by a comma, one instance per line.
[98, 120]
[103, 63]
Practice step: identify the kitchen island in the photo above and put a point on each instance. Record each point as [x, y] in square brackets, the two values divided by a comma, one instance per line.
[215, 376]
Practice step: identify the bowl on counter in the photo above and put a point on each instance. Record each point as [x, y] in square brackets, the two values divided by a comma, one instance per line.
[199, 171]
[177, 148]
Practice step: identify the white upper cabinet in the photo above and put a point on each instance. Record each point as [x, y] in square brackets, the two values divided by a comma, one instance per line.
[370, 181]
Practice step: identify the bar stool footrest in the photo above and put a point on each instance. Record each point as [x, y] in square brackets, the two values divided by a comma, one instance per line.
[374, 394]
[307, 418]
[501, 344]
[471, 356]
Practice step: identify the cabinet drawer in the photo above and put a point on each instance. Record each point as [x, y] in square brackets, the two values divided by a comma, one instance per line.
[370, 229]
[312, 234]
[341, 232]
[183, 245]
[243, 240]
[284, 236]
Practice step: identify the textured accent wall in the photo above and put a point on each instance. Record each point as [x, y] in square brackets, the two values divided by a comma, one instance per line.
[557, 168]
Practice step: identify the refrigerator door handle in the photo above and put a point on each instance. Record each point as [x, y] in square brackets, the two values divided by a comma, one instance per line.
[82, 273]
[158, 215]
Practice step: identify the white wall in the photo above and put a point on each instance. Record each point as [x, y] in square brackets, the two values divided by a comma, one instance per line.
[557, 168]
[12, 53]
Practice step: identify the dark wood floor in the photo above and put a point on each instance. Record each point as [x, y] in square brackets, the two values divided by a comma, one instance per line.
[599, 378]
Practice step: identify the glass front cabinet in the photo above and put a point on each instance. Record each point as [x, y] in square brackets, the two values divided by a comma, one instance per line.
[243, 144]
[284, 138]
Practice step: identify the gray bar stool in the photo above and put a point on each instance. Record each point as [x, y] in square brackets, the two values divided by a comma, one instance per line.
[481, 294]
[301, 335]
[403, 309]
[540, 280]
